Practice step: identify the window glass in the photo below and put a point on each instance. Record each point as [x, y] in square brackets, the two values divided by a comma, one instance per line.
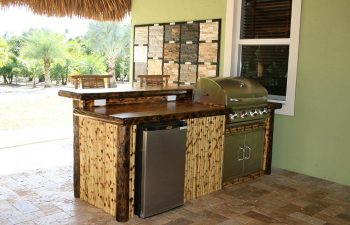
[267, 64]
[265, 19]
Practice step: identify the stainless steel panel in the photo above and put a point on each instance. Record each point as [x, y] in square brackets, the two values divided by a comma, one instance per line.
[253, 156]
[233, 156]
[243, 153]
[163, 170]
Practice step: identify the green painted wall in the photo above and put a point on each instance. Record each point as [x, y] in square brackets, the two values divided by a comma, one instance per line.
[316, 141]
[164, 11]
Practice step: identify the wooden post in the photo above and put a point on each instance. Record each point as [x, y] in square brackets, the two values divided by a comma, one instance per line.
[77, 104]
[269, 135]
[108, 82]
[76, 157]
[123, 166]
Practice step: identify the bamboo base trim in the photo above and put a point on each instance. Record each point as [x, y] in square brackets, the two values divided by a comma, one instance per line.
[204, 152]
[266, 142]
[243, 179]
[132, 171]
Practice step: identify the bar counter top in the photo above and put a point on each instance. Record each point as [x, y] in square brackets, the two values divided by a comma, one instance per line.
[131, 110]
[130, 114]
[125, 91]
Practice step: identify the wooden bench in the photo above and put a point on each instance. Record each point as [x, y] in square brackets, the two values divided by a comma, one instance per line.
[91, 81]
[154, 80]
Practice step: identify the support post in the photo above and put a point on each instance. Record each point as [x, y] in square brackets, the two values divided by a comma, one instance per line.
[123, 166]
[76, 157]
[269, 125]
[77, 104]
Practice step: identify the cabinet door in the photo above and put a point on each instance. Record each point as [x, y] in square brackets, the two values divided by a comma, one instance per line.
[253, 155]
[233, 156]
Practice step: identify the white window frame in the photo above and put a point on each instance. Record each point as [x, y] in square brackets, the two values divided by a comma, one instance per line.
[233, 42]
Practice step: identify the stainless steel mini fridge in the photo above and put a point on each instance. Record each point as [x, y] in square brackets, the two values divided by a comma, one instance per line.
[160, 167]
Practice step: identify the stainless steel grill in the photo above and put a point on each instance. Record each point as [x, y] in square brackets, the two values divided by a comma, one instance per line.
[245, 127]
[245, 97]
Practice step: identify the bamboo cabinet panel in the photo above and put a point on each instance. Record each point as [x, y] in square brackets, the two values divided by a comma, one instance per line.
[204, 154]
[100, 145]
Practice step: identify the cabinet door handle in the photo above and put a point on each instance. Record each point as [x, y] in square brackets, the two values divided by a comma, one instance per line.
[249, 150]
[243, 153]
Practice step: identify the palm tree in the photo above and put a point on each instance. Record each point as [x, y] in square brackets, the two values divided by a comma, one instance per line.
[45, 46]
[111, 40]
[3, 52]
[34, 68]
[91, 64]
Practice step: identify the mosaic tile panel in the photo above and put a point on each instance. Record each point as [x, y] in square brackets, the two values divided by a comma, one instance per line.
[189, 53]
[206, 71]
[209, 31]
[189, 32]
[172, 33]
[208, 52]
[154, 67]
[140, 69]
[171, 69]
[188, 73]
[171, 52]
[155, 41]
[141, 35]
[140, 54]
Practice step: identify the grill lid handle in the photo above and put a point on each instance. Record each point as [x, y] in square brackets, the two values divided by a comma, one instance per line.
[234, 100]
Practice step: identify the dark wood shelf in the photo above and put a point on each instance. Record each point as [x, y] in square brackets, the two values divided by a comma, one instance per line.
[130, 92]
[129, 114]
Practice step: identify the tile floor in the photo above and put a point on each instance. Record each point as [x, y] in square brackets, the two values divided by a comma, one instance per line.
[45, 196]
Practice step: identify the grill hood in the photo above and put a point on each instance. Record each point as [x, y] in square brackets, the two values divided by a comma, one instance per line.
[233, 92]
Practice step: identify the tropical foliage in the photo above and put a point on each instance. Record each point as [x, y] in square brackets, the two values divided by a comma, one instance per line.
[45, 46]
[110, 40]
[49, 56]
[3, 52]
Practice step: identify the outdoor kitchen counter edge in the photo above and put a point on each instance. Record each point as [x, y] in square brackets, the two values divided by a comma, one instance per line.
[122, 92]
[131, 114]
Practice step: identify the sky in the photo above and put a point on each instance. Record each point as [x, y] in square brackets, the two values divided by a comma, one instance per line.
[15, 20]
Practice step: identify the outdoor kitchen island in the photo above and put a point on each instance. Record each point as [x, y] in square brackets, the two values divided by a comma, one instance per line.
[105, 124]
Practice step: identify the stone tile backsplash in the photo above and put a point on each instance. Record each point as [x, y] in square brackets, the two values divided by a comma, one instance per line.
[184, 50]
[189, 53]
[171, 69]
[155, 41]
[171, 52]
[188, 73]
[172, 33]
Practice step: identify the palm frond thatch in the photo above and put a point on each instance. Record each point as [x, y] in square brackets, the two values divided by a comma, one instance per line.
[101, 10]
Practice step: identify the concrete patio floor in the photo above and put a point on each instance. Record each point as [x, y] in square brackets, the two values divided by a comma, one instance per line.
[43, 194]
[29, 149]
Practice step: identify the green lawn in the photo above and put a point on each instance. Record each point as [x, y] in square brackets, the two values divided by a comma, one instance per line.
[25, 108]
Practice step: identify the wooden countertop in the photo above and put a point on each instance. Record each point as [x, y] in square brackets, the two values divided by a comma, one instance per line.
[129, 114]
[122, 92]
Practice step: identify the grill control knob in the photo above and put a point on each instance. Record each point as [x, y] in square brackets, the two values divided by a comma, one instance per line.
[233, 116]
[254, 113]
[263, 111]
[244, 114]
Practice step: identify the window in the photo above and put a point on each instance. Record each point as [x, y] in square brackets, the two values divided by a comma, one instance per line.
[265, 38]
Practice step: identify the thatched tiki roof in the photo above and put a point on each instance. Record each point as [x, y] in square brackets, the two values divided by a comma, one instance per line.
[103, 10]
